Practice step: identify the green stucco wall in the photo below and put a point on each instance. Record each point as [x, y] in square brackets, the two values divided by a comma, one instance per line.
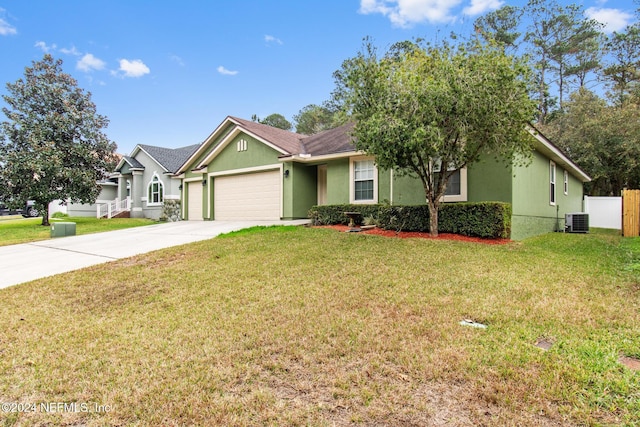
[303, 192]
[338, 182]
[532, 211]
[489, 180]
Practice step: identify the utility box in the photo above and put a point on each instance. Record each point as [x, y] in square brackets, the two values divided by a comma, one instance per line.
[62, 229]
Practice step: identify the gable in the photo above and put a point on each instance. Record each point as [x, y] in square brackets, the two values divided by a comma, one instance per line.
[240, 152]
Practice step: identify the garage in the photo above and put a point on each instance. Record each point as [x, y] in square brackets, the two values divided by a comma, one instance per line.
[255, 196]
[194, 207]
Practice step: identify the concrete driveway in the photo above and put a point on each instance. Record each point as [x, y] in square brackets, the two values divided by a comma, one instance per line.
[29, 261]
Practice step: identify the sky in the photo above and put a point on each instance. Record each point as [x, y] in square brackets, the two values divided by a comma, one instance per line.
[167, 73]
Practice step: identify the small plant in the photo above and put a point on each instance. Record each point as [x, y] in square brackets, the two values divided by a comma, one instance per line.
[60, 215]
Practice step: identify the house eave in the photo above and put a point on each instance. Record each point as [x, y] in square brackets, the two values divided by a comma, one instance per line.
[308, 158]
[547, 148]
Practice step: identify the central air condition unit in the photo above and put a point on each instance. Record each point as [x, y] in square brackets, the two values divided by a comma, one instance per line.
[576, 223]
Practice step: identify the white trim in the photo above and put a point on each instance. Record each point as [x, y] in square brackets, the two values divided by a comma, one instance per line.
[172, 197]
[553, 179]
[307, 158]
[247, 170]
[242, 171]
[352, 161]
[160, 190]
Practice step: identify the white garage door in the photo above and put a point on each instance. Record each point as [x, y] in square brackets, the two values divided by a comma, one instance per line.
[253, 196]
[194, 211]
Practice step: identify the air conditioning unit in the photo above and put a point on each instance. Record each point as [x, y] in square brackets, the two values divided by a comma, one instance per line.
[576, 223]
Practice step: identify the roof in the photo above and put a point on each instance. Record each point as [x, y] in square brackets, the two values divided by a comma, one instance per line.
[332, 141]
[288, 141]
[553, 152]
[169, 158]
[133, 163]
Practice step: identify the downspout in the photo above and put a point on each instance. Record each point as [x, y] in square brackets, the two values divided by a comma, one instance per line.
[391, 188]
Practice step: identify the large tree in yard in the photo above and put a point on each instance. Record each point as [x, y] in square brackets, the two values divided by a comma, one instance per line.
[431, 111]
[52, 146]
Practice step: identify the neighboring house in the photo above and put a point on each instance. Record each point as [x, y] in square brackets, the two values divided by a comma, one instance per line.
[140, 183]
[247, 170]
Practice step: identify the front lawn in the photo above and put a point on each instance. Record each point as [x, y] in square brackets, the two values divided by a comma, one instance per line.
[300, 326]
[23, 230]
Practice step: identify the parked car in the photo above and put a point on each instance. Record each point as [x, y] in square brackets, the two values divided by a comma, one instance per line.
[29, 210]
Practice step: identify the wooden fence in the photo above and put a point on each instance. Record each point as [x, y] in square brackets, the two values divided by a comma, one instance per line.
[631, 213]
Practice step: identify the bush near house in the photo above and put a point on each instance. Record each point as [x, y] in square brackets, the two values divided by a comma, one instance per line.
[481, 219]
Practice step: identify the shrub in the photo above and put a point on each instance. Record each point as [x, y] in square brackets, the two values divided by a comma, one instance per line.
[59, 215]
[481, 219]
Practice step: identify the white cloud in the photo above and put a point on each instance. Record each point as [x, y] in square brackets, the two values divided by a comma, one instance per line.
[89, 63]
[71, 51]
[134, 68]
[406, 13]
[226, 72]
[271, 39]
[478, 7]
[613, 19]
[7, 29]
[43, 46]
[177, 60]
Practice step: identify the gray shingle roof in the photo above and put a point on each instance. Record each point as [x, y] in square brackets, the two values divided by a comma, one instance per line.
[170, 158]
[133, 163]
[332, 141]
[284, 139]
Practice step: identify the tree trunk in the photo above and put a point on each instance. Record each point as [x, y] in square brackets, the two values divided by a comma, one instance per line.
[433, 218]
[45, 215]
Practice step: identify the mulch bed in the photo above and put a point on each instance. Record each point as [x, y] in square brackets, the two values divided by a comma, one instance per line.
[416, 234]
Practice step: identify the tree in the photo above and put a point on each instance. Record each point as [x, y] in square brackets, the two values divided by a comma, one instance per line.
[275, 120]
[500, 26]
[558, 35]
[430, 112]
[313, 119]
[52, 146]
[602, 139]
[624, 72]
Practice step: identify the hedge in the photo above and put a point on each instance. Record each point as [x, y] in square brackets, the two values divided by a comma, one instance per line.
[481, 219]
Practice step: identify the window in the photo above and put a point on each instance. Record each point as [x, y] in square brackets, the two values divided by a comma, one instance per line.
[453, 185]
[456, 190]
[156, 191]
[566, 183]
[552, 183]
[364, 180]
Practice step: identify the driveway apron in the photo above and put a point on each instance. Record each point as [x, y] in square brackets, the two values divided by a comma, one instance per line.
[29, 261]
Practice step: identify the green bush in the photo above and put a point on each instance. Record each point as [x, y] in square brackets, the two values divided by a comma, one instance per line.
[59, 215]
[481, 219]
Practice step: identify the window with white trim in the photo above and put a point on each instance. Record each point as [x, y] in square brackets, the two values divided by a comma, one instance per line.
[456, 190]
[364, 180]
[155, 191]
[552, 183]
[566, 183]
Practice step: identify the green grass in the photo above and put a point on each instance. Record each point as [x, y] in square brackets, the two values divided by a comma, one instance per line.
[24, 230]
[299, 326]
